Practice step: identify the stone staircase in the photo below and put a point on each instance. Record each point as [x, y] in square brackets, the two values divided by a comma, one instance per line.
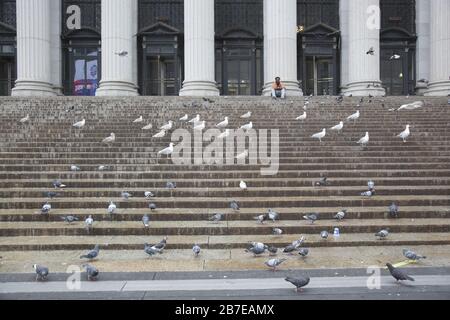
[415, 175]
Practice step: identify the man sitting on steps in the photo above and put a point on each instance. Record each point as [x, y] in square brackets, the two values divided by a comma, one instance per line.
[278, 89]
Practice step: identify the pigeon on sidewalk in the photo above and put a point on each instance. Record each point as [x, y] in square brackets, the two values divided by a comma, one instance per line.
[299, 282]
[398, 274]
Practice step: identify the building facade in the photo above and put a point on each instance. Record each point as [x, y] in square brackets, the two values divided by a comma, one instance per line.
[224, 47]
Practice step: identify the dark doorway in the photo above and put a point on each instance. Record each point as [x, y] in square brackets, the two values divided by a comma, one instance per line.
[160, 76]
[7, 75]
[319, 75]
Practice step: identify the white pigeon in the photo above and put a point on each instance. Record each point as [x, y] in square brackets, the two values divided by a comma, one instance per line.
[364, 140]
[247, 115]
[167, 151]
[405, 134]
[320, 135]
[247, 126]
[102, 168]
[223, 124]
[112, 207]
[46, 208]
[224, 134]
[167, 126]
[26, 119]
[89, 221]
[148, 194]
[395, 57]
[147, 127]
[338, 127]
[79, 124]
[110, 139]
[184, 118]
[160, 134]
[243, 185]
[139, 120]
[200, 126]
[74, 168]
[411, 106]
[354, 116]
[242, 155]
[195, 119]
[302, 117]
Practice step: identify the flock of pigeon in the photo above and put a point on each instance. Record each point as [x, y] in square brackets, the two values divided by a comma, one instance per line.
[256, 248]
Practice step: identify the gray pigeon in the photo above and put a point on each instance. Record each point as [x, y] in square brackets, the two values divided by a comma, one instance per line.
[303, 252]
[393, 210]
[256, 250]
[125, 195]
[152, 206]
[161, 245]
[322, 182]
[171, 185]
[371, 185]
[382, 234]
[398, 274]
[340, 215]
[92, 254]
[289, 249]
[324, 235]
[272, 250]
[274, 263]
[277, 231]
[196, 249]
[146, 221]
[41, 272]
[150, 250]
[411, 255]
[69, 219]
[58, 184]
[272, 215]
[368, 193]
[261, 218]
[46, 208]
[149, 194]
[311, 217]
[216, 218]
[234, 205]
[51, 194]
[91, 272]
[299, 282]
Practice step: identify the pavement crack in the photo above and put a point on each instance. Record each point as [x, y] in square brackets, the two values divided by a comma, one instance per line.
[121, 290]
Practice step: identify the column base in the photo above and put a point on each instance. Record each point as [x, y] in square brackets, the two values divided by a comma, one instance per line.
[292, 89]
[199, 89]
[438, 88]
[116, 89]
[364, 88]
[421, 89]
[26, 88]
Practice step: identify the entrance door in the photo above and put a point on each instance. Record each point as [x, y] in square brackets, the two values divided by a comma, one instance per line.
[319, 76]
[160, 76]
[85, 72]
[7, 76]
[239, 77]
[393, 73]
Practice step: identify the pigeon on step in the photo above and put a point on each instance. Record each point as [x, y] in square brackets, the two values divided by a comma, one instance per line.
[312, 217]
[92, 254]
[196, 249]
[299, 282]
[382, 234]
[274, 263]
[146, 221]
[393, 210]
[69, 219]
[411, 255]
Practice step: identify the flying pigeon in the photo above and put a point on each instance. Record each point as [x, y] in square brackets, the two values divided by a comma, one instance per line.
[41, 272]
[354, 116]
[242, 155]
[92, 254]
[58, 184]
[404, 134]
[338, 127]
[69, 219]
[340, 215]
[196, 249]
[168, 126]
[243, 185]
[320, 135]
[91, 272]
[26, 119]
[125, 195]
[79, 124]
[223, 124]
[160, 134]
[274, 263]
[273, 215]
[167, 151]
[184, 118]
[146, 221]
[234, 205]
[302, 117]
[364, 140]
[148, 127]
[224, 134]
[411, 255]
[393, 210]
[109, 140]
[303, 252]
[247, 115]
[299, 282]
[195, 119]
[171, 185]
[395, 57]
[311, 217]
[149, 194]
[247, 126]
[74, 168]
[216, 218]
[139, 120]
[152, 206]
[398, 274]
[382, 234]
[324, 235]
[322, 182]
[46, 208]
[371, 51]
[122, 53]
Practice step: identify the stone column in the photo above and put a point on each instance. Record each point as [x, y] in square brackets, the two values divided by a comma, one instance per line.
[364, 33]
[280, 45]
[199, 52]
[422, 45]
[440, 48]
[33, 49]
[343, 19]
[119, 48]
[55, 47]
